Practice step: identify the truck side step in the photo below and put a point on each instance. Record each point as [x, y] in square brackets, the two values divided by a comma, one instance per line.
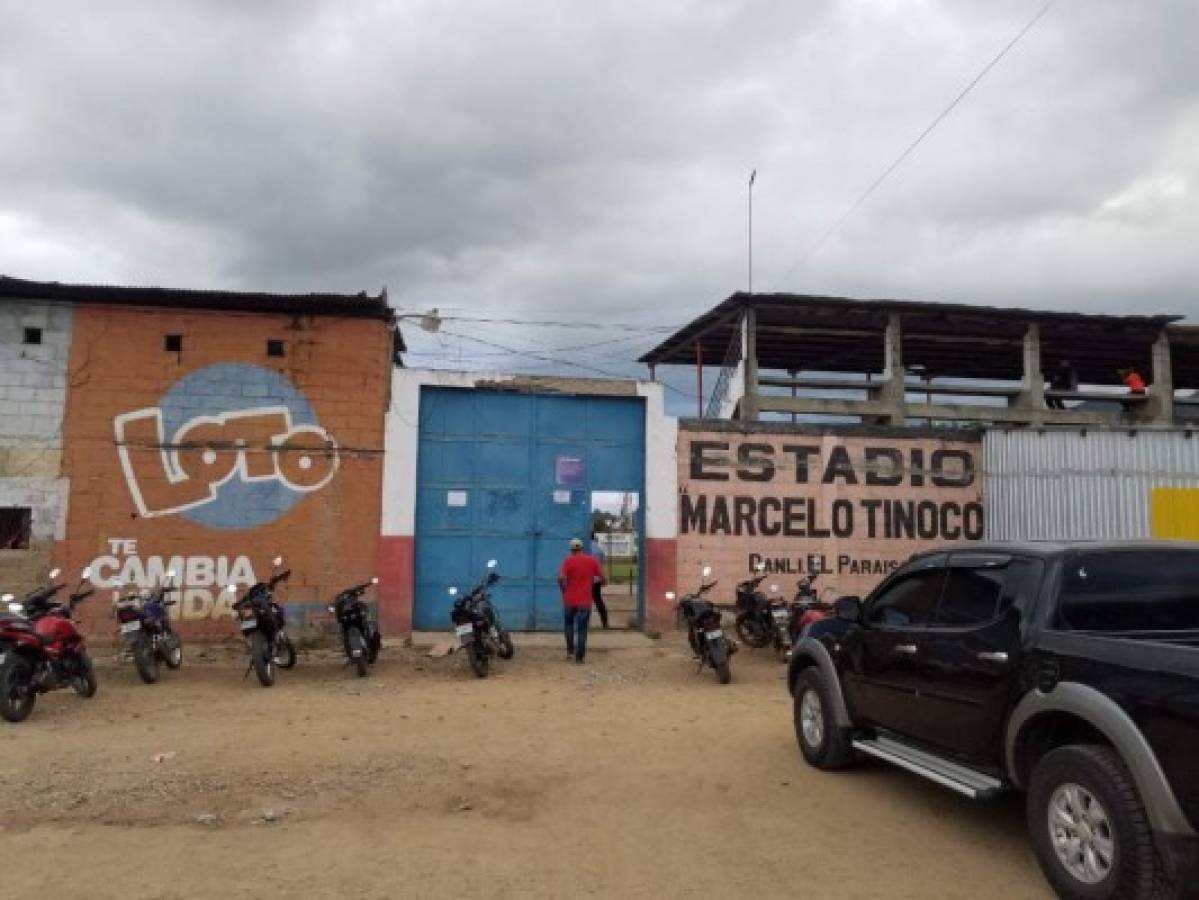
[969, 782]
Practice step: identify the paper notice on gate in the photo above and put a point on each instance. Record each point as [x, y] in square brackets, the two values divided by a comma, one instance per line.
[455, 498]
[562, 496]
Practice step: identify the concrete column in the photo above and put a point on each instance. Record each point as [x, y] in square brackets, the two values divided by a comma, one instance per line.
[892, 392]
[749, 346]
[1160, 408]
[1032, 392]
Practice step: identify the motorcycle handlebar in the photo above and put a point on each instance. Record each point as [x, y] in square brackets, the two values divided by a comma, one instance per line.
[282, 576]
[79, 598]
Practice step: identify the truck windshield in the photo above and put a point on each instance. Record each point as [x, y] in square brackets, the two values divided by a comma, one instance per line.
[1131, 590]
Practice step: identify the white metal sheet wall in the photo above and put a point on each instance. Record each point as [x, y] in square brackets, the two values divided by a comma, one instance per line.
[1070, 486]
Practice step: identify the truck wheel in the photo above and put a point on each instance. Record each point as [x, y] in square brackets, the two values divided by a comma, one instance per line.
[821, 742]
[1089, 829]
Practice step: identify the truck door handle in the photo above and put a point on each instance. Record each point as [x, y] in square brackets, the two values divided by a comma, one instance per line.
[997, 657]
[905, 649]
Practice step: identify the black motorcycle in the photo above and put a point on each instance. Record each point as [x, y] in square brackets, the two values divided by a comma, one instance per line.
[753, 620]
[704, 632]
[145, 624]
[262, 625]
[359, 635]
[478, 627]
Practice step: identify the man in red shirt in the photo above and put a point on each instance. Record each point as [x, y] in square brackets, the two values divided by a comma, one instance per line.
[578, 573]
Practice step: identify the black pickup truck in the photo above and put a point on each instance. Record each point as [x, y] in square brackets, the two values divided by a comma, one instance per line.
[1068, 671]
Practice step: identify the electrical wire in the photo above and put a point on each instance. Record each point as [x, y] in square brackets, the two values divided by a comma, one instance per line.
[557, 361]
[874, 185]
[544, 323]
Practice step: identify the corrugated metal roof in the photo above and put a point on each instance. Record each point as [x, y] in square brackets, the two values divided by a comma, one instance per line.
[1060, 485]
[360, 305]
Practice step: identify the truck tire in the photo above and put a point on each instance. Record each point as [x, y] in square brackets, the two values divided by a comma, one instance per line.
[822, 743]
[1089, 829]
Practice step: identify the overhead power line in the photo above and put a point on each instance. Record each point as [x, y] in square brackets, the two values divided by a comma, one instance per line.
[556, 360]
[874, 185]
[544, 323]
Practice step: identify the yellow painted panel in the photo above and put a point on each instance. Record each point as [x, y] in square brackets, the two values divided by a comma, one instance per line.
[1175, 513]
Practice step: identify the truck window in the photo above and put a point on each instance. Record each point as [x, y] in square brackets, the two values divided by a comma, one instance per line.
[909, 601]
[971, 597]
[976, 596]
[1131, 590]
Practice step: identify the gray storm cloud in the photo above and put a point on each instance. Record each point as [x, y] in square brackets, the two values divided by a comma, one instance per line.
[587, 161]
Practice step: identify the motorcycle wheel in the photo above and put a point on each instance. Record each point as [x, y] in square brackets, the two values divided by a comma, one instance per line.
[264, 662]
[480, 661]
[285, 652]
[694, 642]
[16, 693]
[145, 659]
[376, 642]
[506, 649]
[781, 648]
[85, 683]
[173, 651]
[355, 641]
[724, 672]
[750, 632]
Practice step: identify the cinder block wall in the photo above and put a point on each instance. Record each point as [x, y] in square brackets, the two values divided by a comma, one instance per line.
[32, 394]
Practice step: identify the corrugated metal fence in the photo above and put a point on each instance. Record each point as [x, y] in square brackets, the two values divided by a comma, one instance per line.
[1067, 485]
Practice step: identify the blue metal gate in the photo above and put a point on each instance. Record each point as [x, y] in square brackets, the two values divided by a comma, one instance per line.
[508, 476]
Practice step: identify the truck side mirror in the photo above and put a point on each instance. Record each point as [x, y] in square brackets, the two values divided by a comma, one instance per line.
[848, 609]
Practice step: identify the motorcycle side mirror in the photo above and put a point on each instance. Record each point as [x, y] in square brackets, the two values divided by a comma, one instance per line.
[760, 567]
[774, 588]
[85, 574]
[15, 607]
[54, 573]
[229, 589]
[453, 592]
[848, 609]
[374, 579]
[491, 563]
[277, 561]
[7, 598]
[707, 570]
[331, 609]
[670, 596]
[171, 573]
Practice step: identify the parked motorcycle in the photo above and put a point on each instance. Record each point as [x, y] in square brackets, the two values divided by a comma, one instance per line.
[262, 625]
[41, 649]
[359, 635]
[478, 627]
[146, 624]
[753, 620]
[807, 607]
[781, 616]
[704, 631]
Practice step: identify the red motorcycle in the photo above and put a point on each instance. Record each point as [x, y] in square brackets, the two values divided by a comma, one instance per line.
[807, 607]
[41, 649]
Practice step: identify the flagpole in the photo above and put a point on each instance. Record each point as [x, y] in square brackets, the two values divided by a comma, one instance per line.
[752, 177]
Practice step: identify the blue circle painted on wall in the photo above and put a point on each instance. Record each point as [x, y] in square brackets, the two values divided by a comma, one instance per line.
[239, 392]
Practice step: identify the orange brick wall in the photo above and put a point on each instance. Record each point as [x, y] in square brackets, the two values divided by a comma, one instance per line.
[807, 502]
[315, 502]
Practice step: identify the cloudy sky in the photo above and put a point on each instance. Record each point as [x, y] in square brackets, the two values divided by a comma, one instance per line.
[587, 161]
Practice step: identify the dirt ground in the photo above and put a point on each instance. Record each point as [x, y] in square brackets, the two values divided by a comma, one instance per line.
[630, 776]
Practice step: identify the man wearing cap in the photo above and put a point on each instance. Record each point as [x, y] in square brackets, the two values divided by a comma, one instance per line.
[578, 573]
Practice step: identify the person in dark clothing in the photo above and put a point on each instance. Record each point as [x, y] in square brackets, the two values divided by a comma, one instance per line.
[597, 587]
[1063, 378]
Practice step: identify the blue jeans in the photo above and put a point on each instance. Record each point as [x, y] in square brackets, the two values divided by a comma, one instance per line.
[577, 619]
